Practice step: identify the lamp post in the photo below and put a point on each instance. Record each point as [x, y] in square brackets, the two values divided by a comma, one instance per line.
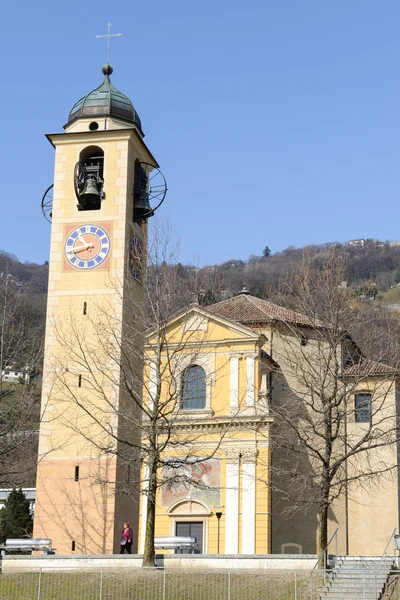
[218, 514]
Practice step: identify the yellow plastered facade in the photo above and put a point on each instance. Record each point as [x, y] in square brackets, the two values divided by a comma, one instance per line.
[79, 505]
[231, 428]
[267, 526]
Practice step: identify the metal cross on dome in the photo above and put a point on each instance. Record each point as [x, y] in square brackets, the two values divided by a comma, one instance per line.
[108, 36]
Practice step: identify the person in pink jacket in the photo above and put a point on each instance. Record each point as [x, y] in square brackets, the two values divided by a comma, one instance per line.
[126, 539]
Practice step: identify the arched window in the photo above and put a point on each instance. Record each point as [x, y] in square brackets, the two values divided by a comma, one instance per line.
[89, 178]
[194, 388]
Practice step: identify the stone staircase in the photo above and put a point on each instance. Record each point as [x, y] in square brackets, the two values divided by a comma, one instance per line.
[356, 578]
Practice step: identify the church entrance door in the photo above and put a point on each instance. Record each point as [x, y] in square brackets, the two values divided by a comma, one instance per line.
[195, 529]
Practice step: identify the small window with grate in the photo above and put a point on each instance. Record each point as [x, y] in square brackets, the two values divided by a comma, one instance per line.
[194, 388]
[363, 408]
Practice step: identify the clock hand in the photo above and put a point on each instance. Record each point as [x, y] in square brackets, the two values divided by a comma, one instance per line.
[80, 248]
[81, 239]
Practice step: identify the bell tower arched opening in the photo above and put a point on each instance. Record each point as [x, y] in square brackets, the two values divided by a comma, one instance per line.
[89, 178]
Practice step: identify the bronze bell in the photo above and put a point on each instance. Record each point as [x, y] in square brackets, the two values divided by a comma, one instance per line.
[141, 206]
[90, 195]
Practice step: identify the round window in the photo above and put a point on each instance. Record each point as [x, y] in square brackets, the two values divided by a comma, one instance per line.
[93, 126]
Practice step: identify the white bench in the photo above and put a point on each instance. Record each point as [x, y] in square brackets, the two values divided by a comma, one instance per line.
[175, 542]
[29, 544]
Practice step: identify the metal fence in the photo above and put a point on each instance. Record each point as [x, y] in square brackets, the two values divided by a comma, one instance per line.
[126, 583]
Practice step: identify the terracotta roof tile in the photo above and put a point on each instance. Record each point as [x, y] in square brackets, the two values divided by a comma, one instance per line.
[248, 309]
[366, 367]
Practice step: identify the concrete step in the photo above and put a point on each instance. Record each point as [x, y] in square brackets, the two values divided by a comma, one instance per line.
[367, 578]
[355, 592]
[360, 570]
[360, 567]
[361, 559]
[356, 578]
[366, 557]
[355, 582]
[357, 596]
[341, 580]
[354, 589]
[350, 594]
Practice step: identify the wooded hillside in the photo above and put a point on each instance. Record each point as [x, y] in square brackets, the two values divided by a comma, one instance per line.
[371, 270]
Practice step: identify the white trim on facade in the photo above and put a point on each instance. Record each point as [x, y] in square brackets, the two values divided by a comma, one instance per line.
[250, 388]
[234, 382]
[248, 508]
[144, 510]
[291, 545]
[232, 509]
[152, 385]
[201, 359]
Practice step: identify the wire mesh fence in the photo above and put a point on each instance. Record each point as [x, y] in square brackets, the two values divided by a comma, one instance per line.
[126, 583]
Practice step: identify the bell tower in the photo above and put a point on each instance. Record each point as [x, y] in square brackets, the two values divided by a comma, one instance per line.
[99, 209]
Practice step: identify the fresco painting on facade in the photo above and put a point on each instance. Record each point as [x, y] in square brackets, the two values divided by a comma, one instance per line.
[199, 481]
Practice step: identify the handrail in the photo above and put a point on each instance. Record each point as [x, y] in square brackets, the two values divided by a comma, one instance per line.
[384, 555]
[324, 551]
[384, 558]
[323, 555]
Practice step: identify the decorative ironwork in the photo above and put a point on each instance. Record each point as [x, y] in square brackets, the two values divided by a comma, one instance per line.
[150, 189]
[47, 203]
[79, 178]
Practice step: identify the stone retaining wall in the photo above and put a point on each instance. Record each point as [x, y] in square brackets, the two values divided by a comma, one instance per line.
[183, 561]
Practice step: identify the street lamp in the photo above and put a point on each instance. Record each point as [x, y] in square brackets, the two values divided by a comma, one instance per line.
[218, 514]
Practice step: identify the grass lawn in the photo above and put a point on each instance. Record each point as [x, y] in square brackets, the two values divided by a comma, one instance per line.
[130, 584]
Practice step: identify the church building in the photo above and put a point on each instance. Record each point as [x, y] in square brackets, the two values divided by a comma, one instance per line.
[226, 468]
[239, 361]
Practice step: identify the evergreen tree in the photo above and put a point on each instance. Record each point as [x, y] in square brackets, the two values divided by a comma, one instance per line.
[266, 252]
[15, 518]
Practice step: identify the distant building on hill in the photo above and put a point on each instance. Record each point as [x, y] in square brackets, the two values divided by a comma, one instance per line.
[14, 374]
[359, 243]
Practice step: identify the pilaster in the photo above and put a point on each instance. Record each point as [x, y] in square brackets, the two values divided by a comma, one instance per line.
[248, 500]
[232, 502]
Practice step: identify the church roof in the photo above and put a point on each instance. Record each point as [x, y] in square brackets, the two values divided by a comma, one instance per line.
[365, 367]
[105, 100]
[248, 309]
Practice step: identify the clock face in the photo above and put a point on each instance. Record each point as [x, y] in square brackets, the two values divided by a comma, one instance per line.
[87, 246]
[135, 258]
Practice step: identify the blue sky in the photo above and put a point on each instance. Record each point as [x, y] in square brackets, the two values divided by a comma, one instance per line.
[275, 122]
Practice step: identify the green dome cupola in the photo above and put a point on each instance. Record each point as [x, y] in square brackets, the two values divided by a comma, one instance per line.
[105, 101]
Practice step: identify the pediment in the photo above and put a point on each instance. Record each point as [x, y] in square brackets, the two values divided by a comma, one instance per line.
[196, 318]
[189, 507]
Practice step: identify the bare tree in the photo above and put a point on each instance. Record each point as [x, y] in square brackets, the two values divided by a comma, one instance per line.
[318, 452]
[20, 351]
[130, 393]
